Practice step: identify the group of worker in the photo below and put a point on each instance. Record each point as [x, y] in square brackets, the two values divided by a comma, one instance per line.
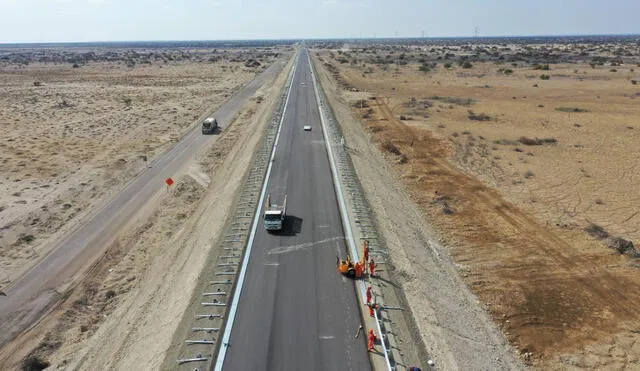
[369, 294]
[359, 268]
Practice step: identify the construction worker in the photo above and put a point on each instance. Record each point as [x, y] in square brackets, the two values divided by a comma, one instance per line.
[372, 268]
[359, 269]
[372, 340]
[369, 294]
[371, 313]
[366, 251]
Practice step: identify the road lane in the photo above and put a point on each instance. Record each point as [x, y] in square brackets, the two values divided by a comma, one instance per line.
[37, 290]
[295, 311]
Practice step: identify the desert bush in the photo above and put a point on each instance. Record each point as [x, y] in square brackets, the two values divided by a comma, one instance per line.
[529, 174]
[37, 83]
[478, 117]
[454, 100]
[361, 103]
[81, 302]
[34, 363]
[537, 141]
[391, 148]
[613, 70]
[541, 67]
[596, 231]
[467, 64]
[448, 65]
[109, 294]
[506, 142]
[571, 109]
[545, 77]
[634, 82]
[622, 246]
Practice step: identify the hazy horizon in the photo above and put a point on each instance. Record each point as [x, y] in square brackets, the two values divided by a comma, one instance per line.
[71, 21]
[314, 39]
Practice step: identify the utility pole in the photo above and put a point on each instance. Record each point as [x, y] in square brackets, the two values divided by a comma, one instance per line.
[475, 32]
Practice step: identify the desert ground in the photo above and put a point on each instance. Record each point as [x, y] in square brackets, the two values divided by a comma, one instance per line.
[522, 159]
[79, 124]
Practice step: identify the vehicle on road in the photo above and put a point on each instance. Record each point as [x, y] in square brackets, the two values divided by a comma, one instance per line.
[274, 215]
[307, 128]
[210, 125]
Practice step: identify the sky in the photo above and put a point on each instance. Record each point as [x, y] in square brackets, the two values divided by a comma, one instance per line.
[141, 20]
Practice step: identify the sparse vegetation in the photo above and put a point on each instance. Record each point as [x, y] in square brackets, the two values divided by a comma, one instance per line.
[454, 100]
[34, 363]
[571, 109]
[597, 231]
[478, 116]
[537, 141]
[545, 77]
[391, 148]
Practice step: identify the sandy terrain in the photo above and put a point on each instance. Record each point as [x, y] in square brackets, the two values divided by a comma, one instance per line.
[81, 132]
[122, 289]
[510, 169]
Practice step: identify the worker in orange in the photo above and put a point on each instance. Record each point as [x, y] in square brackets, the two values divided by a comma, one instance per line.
[372, 268]
[359, 269]
[372, 340]
[369, 294]
[366, 251]
[371, 313]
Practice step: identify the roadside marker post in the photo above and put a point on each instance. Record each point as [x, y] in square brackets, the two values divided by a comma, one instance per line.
[169, 182]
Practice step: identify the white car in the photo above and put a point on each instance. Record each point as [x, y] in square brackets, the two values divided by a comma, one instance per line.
[307, 128]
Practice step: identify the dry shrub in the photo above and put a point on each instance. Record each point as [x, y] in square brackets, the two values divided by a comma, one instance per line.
[478, 116]
[391, 148]
[34, 363]
[622, 246]
[537, 141]
[597, 231]
[571, 109]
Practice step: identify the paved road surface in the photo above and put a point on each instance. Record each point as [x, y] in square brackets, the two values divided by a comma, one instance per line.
[295, 311]
[36, 291]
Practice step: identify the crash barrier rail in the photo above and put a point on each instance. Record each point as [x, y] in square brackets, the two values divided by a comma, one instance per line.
[344, 173]
[239, 236]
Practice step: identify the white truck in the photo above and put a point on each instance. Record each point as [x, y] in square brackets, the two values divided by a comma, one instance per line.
[210, 126]
[274, 215]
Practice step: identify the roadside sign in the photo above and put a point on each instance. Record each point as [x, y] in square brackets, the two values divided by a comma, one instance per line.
[169, 181]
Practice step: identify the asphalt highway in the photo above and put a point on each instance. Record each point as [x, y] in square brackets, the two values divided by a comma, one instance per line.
[41, 287]
[295, 311]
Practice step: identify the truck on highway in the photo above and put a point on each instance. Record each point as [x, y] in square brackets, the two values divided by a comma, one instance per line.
[274, 215]
[210, 125]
